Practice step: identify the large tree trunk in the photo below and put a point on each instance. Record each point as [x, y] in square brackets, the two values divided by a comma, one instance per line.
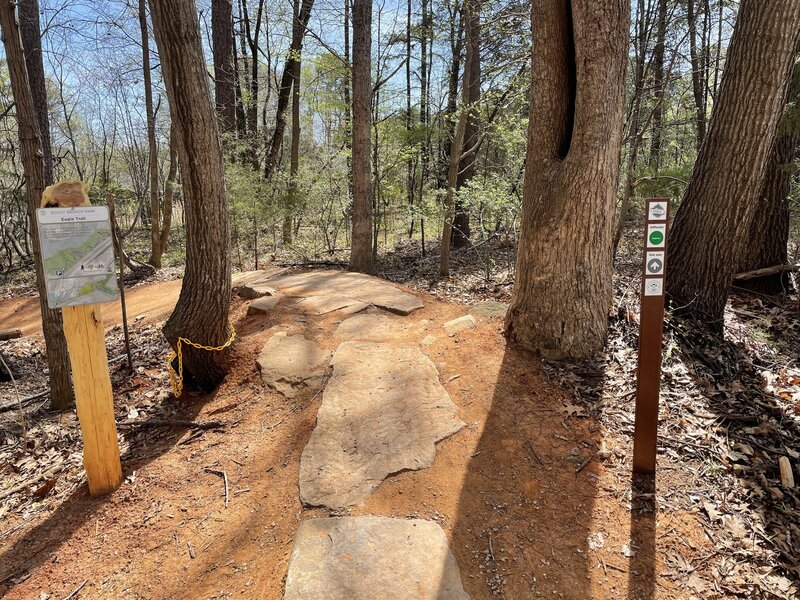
[562, 293]
[28, 87]
[769, 231]
[456, 44]
[361, 257]
[201, 314]
[720, 201]
[223, 44]
[299, 26]
[466, 169]
[155, 207]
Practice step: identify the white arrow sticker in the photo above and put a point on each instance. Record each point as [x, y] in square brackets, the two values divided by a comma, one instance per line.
[654, 263]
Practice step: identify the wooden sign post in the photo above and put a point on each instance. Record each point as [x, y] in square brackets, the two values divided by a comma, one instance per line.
[651, 326]
[76, 247]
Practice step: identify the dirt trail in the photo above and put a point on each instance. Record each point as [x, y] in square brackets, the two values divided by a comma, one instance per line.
[154, 301]
[520, 491]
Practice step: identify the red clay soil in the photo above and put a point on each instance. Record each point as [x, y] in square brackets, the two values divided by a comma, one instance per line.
[513, 490]
[153, 302]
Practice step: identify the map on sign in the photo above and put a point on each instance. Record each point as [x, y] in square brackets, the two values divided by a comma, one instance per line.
[77, 254]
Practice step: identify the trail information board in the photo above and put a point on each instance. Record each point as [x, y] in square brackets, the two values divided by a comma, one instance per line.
[78, 255]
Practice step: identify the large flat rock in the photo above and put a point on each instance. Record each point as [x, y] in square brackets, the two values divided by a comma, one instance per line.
[322, 305]
[371, 328]
[364, 288]
[382, 412]
[372, 558]
[291, 363]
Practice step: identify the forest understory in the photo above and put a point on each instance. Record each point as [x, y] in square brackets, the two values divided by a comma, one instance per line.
[537, 497]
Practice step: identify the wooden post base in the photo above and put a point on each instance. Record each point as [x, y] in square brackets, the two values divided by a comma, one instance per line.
[83, 328]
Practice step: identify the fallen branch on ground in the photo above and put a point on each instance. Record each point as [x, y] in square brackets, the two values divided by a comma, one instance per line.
[172, 423]
[766, 271]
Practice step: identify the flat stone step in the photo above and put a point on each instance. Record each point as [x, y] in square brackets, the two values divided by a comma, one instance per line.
[372, 558]
[372, 328]
[290, 364]
[382, 412]
[364, 288]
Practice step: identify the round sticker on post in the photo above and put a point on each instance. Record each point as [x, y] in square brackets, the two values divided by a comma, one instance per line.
[656, 234]
[654, 263]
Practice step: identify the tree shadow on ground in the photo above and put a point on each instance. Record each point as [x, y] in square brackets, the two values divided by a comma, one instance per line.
[525, 509]
[40, 543]
[752, 428]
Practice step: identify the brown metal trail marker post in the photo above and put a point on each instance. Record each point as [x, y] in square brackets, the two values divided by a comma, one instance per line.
[651, 326]
[78, 258]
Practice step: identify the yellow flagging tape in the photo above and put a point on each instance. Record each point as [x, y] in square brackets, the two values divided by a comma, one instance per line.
[176, 379]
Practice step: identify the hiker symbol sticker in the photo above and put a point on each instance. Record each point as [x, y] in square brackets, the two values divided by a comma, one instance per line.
[653, 287]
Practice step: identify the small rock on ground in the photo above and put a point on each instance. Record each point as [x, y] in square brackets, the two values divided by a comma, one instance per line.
[290, 364]
[489, 309]
[251, 291]
[382, 412]
[460, 324]
[261, 306]
[372, 558]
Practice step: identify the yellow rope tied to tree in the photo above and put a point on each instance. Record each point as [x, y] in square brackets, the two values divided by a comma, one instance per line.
[176, 379]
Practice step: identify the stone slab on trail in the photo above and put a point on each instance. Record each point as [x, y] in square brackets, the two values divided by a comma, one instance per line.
[382, 412]
[364, 288]
[460, 324]
[372, 558]
[262, 306]
[371, 328]
[322, 305]
[291, 363]
[489, 309]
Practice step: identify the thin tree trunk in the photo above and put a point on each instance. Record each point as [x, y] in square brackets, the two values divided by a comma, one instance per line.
[410, 160]
[201, 314]
[33, 161]
[294, 159]
[563, 286]
[169, 187]
[720, 201]
[697, 75]
[466, 170]
[223, 47]
[361, 256]
[299, 26]
[152, 153]
[659, 85]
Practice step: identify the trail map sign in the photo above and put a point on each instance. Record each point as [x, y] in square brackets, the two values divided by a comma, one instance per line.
[78, 255]
[648, 379]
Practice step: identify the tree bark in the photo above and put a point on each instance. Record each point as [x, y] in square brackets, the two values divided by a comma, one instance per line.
[201, 313]
[720, 202]
[223, 45]
[361, 257]
[563, 288]
[466, 169]
[769, 231]
[28, 95]
[152, 144]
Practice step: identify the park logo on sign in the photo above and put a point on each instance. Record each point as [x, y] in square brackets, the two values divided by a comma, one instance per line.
[653, 287]
[657, 211]
[656, 235]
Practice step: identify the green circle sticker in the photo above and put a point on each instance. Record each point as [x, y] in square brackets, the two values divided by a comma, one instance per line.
[656, 237]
